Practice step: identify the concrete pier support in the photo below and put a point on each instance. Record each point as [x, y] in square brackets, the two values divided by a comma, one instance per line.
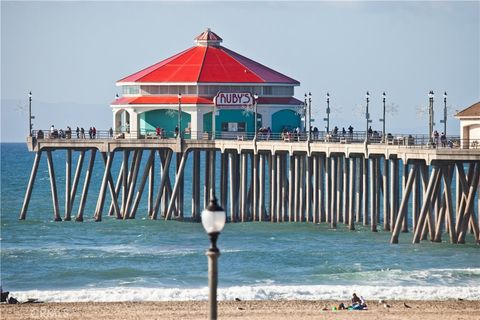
[261, 191]
[278, 188]
[31, 181]
[334, 195]
[255, 165]
[308, 188]
[103, 186]
[328, 189]
[86, 185]
[243, 187]
[162, 190]
[386, 196]
[53, 187]
[151, 182]
[365, 191]
[315, 190]
[196, 212]
[296, 184]
[321, 189]
[373, 194]
[68, 184]
[233, 195]
[147, 174]
[346, 191]
[352, 208]
[291, 188]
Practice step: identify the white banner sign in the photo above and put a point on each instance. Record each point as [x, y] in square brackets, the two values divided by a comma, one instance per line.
[233, 99]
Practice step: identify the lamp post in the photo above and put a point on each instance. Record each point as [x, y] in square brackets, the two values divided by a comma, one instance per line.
[179, 120]
[213, 221]
[255, 120]
[30, 113]
[384, 97]
[444, 121]
[305, 104]
[430, 116]
[367, 116]
[309, 116]
[328, 113]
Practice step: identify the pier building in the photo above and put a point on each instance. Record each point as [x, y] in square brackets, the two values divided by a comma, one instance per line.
[204, 86]
[470, 126]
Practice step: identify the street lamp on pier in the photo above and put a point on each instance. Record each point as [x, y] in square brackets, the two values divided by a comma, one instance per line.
[384, 97]
[444, 121]
[367, 116]
[327, 119]
[255, 125]
[30, 117]
[179, 119]
[309, 115]
[430, 116]
[305, 104]
[213, 221]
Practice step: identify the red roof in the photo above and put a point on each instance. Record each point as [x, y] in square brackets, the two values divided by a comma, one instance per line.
[187, 99]
[209, 63]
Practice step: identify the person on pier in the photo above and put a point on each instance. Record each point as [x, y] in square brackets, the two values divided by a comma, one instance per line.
[350, 131]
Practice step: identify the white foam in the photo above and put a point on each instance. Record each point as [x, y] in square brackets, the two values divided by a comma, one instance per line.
[262, 292]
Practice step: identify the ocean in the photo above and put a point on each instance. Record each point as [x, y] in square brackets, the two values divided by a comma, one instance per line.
[145, 260]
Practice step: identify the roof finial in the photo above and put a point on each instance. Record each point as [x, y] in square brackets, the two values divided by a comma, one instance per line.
[208, 38]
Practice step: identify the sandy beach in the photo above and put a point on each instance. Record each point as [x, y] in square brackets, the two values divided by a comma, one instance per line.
[281, 309]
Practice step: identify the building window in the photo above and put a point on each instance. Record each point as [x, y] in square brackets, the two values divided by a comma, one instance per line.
[278, 91]
[233, 126]
[131, 90]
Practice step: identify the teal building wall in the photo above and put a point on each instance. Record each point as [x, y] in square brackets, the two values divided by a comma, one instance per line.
[285, 119]
[165, 119]
[225, 116]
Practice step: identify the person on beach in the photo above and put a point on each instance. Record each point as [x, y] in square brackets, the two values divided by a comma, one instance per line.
[355, 299]
[358, 303]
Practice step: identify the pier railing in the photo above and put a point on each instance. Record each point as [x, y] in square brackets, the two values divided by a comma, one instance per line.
[421, 141]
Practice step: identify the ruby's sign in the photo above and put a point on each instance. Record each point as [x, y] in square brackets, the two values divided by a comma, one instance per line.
[233, 99]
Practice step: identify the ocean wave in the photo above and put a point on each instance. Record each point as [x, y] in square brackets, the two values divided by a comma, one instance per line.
[258, 292]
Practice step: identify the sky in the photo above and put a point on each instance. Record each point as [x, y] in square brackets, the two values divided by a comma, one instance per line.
[70, 54]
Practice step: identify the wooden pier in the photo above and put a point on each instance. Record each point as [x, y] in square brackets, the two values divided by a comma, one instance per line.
[428, 192]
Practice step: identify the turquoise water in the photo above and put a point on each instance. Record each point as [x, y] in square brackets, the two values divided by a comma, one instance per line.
[116, 260]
